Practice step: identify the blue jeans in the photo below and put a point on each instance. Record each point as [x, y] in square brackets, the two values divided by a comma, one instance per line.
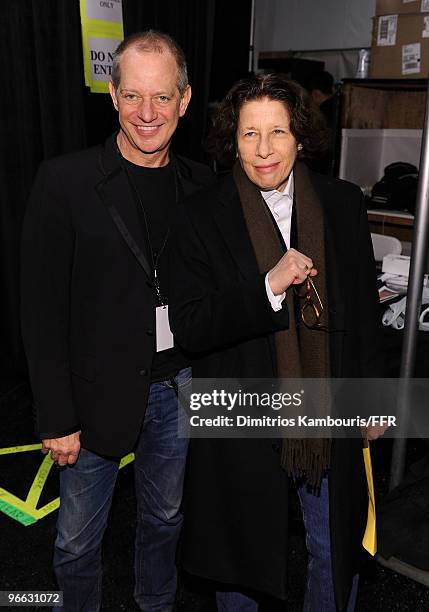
[86, 491]
[233, 601]
[319, 594]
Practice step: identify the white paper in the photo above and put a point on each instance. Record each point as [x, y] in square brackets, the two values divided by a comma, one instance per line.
[424, 6]
[387, 26]
[101, 57]
[425, 33]
[407, 1]
[411, 59]
[106, 10]
[164, 337]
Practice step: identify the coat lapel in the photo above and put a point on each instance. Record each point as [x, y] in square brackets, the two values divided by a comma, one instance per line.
[232, 225]
[116, 194]
[186, 183]
[336, 250]
[335, 239]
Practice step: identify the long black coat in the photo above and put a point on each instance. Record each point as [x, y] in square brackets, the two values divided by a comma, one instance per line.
[236, 500]
[88, 302]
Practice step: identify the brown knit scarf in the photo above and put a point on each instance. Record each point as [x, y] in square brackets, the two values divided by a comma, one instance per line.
[306, 355]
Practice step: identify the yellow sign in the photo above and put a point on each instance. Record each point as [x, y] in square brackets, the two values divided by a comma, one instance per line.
[102, 31]
[25, 511]
[369, 541]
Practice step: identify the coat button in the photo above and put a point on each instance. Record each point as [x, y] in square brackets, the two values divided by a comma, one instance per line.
[149, 332]
[143, 372]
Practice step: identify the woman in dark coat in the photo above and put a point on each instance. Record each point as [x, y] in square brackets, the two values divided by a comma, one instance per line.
[238, 250]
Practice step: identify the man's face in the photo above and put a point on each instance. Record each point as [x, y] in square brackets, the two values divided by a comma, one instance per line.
[149, 105]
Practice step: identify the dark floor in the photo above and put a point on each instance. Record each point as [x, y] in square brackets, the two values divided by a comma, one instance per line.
[25, 552]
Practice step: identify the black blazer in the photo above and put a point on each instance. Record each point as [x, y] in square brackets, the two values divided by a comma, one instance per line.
[235, 528]
[88, 303]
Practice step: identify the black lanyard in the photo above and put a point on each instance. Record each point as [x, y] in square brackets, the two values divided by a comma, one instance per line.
[139, 202]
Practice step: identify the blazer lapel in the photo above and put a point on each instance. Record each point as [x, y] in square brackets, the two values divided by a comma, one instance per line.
[116, 194]
[232, 225]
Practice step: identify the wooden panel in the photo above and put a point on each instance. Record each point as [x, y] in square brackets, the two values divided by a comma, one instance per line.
[365, 107]
[390, 224]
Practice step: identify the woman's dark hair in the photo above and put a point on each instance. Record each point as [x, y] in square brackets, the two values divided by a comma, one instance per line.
[307, 123]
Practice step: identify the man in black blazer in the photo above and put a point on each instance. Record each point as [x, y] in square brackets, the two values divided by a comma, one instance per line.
[103, 366]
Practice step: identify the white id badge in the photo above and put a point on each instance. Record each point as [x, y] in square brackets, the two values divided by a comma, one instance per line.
[164, 337]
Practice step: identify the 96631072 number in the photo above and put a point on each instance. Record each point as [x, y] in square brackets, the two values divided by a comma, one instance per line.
[33, 598]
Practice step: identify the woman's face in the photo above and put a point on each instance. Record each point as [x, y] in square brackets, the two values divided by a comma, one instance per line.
[266, 147]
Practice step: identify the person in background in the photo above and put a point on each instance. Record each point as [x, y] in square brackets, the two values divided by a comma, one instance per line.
[246, 255]
[320, 84]
[104, 369]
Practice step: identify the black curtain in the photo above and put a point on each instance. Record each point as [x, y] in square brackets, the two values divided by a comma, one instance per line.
[230, 60]
[46, 110]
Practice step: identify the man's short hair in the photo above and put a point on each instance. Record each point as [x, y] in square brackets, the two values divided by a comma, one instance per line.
[147, 42]
[321, 80]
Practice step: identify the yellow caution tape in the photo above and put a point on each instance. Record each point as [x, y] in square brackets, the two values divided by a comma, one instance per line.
[16, 508]
[126, 460]
[17, 514]
[50, 507]
[39, 482]
[26, 511]
[19, 449]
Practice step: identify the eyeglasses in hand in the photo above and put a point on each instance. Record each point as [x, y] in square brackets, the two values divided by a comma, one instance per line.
[311, 309]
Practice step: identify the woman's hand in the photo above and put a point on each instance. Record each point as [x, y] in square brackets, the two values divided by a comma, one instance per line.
[373, 432]
[292, 269]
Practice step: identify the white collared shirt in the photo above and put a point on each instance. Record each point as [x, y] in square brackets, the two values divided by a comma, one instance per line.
[280, 205]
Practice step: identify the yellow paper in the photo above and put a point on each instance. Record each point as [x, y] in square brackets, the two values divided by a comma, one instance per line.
[369, 541]
[101, 34]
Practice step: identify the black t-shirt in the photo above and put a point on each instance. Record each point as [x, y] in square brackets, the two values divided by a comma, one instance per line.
[157, 190]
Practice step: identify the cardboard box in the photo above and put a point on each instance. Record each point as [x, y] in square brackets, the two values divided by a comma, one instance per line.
[400, 7]
[400, 47]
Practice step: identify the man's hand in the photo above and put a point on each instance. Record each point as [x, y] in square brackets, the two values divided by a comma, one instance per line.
[65, 450]
[292, 269]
